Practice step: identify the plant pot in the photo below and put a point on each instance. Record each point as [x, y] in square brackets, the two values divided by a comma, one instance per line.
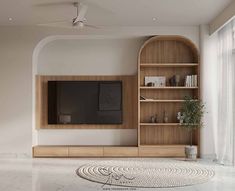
[191, 152]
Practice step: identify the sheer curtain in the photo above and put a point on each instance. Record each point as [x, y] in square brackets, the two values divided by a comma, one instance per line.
[226, 96]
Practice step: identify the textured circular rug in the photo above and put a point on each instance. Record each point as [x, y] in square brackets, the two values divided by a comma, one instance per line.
[147, 173]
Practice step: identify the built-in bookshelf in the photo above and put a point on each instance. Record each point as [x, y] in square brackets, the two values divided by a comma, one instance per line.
[166, 56]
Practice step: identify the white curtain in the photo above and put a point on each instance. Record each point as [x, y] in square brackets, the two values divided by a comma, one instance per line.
[226, 96]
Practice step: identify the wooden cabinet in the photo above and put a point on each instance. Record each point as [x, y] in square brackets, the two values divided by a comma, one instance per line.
[50, 151]
[121, 151]
[165, 56]
[162, 151]
[88, 151]
[85, 151]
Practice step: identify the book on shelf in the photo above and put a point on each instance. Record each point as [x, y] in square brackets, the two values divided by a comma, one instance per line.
[191, 81]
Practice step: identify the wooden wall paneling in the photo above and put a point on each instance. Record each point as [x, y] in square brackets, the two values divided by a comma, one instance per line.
[160, 135]
[134, 102]
[149, 109]
[168, 49]
[129, 102]
[38, 104]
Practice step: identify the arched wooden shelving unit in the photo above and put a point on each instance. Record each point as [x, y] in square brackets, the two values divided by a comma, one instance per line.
[165, 56]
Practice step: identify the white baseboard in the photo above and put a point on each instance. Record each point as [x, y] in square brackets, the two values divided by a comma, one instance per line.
[15, 155]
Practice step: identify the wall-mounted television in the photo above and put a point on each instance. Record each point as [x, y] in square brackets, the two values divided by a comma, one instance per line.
[84, 102]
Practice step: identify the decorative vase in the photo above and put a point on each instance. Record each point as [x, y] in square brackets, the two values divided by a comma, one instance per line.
[177, 80]
[191, 152]
[165, 118]
[156, 119]
[152, 119]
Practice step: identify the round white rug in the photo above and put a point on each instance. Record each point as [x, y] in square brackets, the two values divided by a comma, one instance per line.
[147, 173]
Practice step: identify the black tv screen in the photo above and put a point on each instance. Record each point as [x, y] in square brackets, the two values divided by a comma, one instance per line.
[84, 102]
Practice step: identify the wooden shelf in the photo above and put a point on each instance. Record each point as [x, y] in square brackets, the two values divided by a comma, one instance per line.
[160, 101]
[168, 64]
[159, 124]
[168, 87]
[155, 146]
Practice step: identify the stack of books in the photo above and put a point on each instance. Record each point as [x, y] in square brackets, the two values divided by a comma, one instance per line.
[191, 81]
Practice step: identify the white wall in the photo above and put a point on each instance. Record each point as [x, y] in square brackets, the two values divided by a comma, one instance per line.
[17, 45]
[90, 57]
[208, 46]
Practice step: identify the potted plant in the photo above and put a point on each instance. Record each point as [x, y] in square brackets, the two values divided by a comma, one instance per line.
[191, 119]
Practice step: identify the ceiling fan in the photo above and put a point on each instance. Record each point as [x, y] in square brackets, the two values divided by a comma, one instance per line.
[78, 22]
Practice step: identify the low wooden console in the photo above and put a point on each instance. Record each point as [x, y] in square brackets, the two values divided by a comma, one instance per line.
[109, 151]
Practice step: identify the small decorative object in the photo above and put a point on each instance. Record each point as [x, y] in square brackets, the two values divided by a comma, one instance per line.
[152, 119]
[165, 118]
[158, 81]
[172, 81]
[142, 98]
[180, 117]
[177, 80]
[64, 119]
[156, 119]
[191, 119]
[150, 84]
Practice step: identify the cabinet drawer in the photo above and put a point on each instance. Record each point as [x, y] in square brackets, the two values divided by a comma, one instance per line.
[164, 151]
[43, 151]
[85, 151]
[121, 151]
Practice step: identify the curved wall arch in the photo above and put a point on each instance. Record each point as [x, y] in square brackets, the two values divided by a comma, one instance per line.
[80, 55]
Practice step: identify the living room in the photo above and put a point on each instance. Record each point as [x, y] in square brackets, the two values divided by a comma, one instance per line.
[134, 95]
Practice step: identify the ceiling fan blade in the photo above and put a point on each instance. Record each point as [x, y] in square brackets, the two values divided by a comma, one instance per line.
[57, 3]
[55, 22]
[58, 24]
[82, 9]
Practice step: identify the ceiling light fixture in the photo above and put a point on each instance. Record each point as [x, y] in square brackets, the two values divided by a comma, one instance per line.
[10, 19]
[154, 18]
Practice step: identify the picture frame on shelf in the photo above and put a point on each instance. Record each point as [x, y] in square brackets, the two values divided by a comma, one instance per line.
[157, 81]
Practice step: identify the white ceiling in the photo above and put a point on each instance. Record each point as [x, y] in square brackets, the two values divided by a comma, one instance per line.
[114, 12]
